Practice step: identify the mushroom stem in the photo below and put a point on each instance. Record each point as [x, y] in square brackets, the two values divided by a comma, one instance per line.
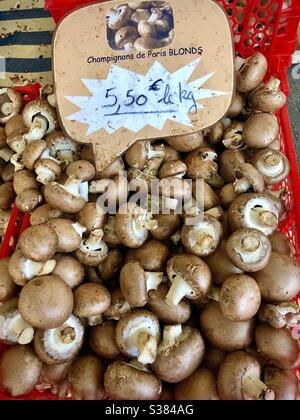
[171, 335]
[79, 229]
[286, 308]
[147, 346]
[251, 249]
[6, 153]
[273, 83]
[38, 129]
[33, 269]
[17, 161]
[93, 321]
[93, 243]
[145, 221]
[154, 153]
[179, 289]
[272, 165]
[44, 175]
[17, 327]
[254, 388]
[241, 186]
[215, 293]
[205, 241]
[66, 156]
[7, 108]
[264, 218]
[72, 186]
[52, 100]
[176, 238]
[68, 335]
[153, 280]
[100, 186]
[234, 142]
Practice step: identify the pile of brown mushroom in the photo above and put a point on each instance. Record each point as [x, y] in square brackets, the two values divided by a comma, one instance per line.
[162, 308]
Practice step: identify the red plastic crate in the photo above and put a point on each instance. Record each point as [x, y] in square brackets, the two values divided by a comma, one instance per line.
[269, 26]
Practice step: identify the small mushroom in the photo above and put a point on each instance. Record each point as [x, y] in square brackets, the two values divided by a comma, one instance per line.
[93, 250]
[11, 103]
[157, 304]
[179, 354]
[228, 195]
[81, 169]
[202, 238]
[7, 195]
[228, 161]
[200, 386]
[46, 302]
[25, 180]
[233, 136]
[268, 97]
[252, 73]
[55, 378]
[272, 164]
[124, 381]
[69, 269]
[118, 308]
[260, 130]
[284, 383]
[70, 197]
[90, 301]
[13, 328]
[62, 147]
[59, 345]
[201, 164]
[153, 255]
[137, 335]
[257, 211]
[277, 346]
[171, 154]
[47, 170]
[103, 342]
[38, 243]
[223, 333]
[279, 281]
[28, 200]
[278, 316]
[190, 277]
[8, 288]
[140, 153]
[135, 283]
[86, 379]
[22, 269]
[239, 379]
[237, 106]
[110, 268]
[8, 172]
[167, 225]
[248, 179]
[69, 234]
[186, 143]
[112, 170]
[20, 370]
[91, 217]
[239, 297]
[249, 249]
[33, 152]
[40, 118]
[43, 214]
[281, 244]
[213, 359]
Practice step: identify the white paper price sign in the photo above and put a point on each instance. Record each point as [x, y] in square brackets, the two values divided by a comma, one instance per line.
[116, 86]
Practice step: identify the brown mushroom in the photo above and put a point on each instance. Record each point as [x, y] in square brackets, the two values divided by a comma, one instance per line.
[237, 106]
[69, 269]
[228, 195]
[284, 383]
[260, 130]
[43, 214]
[8, 288]
[93, 250]
[81, 169]
[102, 340]
[55, 378]
[13, 328]
[186, 143]
[281, 244]
[69, 234]
[153, 255]
[278, 316]
[7, 195]
[200, 386]
[110, 268]
[28, 200]
[213, 359]
[171, 154]
[233, 136]
[33, 152]
[47, 170]
[268, 97]
[38, 243]
[248, 178]
[46, 302]
[201, 164]
[119, 306]
[140, 153]
[8, 172]
[252, 73]
[62, 147]
[179, 354]
[25, 180]
[272, 164]
[11, 103]
[40, 118]
[91, 217]
[228, 161]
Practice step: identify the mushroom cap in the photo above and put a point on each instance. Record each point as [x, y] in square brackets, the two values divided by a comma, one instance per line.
[81, 169]
[109, 269]
[91, 299]
[240, 298]
[177, 188]
[133, 284]
[33, 152]
[279, 281]
[92, 254]
[40, 107]
[137, 155]
[119, 17]
[186, 143]
[207, 199]
[201, 164]
[266, 99]
[8, 288]
[236, 106]
[129, 232]
[43, 214]
[28, 200]
[168, 224]
[55, 374]
[25, 180]
[38, 243]
[68, 238]
[86, 378]
[208, 225]
[284, 383]
[178, 362]
[125, 382]
[112, 170]
[11, 96]
[249, 249]
[91, 217]
[223, 333]
[50, 166]
[200, 386]
[235, 367]
[8, 172]
[252, 73]
[272, 164]
[152, 256]
[277, 346]
[260, 130]
[220, 265]
[171, 154]
[102, 340]
[50, 348]
[213, 359]
[281, 244]
[171, 169]
[240, 212]
[15, 267]
[194, 271]
[15, 123]
[46, 302]
[69, 269]
[7, 195]
[227, 195]
[252, 175]
[20, 370]
[228, 160]
[174, 315]
[118, 306]
[59, 198]
[133, 322]
[3, 139]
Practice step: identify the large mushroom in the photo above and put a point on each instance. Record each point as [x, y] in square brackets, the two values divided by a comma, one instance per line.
[200, 386]
[38, 243]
